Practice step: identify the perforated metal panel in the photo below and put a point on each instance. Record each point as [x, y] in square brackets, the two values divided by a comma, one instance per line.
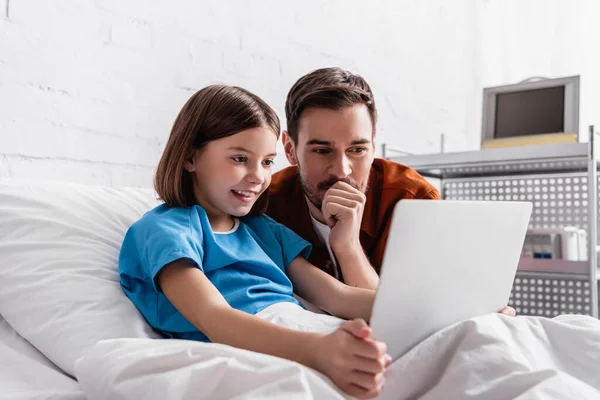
[512, 168]
[559, 200]
[534, 294]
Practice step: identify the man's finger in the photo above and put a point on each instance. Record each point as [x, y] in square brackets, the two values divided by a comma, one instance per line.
[341, 201]
[358, 197]
[329, 217]
[345, 186]
[336, 211]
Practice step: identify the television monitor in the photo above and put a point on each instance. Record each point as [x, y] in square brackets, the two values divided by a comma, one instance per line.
[531, 109]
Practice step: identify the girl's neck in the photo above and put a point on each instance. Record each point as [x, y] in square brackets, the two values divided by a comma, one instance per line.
[219, 221]
[222, 223]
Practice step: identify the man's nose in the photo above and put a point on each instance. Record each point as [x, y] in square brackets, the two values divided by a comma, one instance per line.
[341, 167]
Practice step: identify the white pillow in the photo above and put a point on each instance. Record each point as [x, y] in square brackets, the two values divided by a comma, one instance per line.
[59, 248]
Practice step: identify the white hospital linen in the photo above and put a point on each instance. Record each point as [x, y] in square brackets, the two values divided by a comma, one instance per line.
[25, 374]
[293, 316]
[500, 357]
[489, 357]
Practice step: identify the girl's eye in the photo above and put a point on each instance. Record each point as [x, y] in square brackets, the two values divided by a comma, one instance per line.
[240, 159]
[268, 163]
[321, 151]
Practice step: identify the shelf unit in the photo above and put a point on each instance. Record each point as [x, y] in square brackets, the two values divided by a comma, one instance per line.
[561, 180]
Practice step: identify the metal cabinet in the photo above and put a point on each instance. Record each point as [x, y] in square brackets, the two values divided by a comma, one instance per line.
[561, 181]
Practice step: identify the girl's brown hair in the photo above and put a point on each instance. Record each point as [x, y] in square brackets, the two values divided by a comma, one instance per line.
[212, 113]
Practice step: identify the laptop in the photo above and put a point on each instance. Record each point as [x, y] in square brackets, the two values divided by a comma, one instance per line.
[445, 261]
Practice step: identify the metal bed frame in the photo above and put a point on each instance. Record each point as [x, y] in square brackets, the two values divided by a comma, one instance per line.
[561, 180]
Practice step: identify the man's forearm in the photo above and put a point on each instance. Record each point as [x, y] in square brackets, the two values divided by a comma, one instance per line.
[357, 269]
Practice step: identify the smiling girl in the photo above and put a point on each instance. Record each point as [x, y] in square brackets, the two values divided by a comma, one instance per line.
[208, 265]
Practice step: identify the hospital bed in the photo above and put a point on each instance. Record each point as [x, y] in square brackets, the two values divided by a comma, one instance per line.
[67, 331]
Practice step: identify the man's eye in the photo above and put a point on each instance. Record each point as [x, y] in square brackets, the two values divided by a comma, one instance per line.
[358, 150]
[240, 159]
[322, 151]
[268, 163]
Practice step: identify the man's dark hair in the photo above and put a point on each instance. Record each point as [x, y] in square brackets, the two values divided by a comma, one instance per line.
[331, 88]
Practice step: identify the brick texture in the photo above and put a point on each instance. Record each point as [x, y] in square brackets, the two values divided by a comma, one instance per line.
[89, 89]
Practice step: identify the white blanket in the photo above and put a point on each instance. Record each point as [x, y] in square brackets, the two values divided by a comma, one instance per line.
[25, 374]
[490, 357]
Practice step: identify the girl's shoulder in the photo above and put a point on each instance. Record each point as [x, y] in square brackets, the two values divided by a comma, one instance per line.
[265, 226]
[164, 213]
[166, 218]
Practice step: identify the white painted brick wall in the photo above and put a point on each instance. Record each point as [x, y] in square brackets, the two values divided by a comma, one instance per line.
[89, 89]
[548, 39]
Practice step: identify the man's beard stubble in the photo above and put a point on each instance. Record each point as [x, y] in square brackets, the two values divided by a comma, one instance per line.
[315, 196]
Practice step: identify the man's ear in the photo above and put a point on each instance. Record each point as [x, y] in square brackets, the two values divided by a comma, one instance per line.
[289, 147]
[373, 144]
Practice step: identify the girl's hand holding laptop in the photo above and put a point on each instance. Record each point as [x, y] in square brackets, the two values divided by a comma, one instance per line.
[352, 359]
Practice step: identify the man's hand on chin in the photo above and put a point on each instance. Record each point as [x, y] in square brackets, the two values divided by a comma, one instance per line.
[343, 207]
[342, 210]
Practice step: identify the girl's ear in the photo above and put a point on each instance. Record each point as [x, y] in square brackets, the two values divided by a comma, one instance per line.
[189, 162]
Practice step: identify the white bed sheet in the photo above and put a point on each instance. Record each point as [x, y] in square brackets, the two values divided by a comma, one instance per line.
[487, 357]
[490, 357]
[25, 374]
